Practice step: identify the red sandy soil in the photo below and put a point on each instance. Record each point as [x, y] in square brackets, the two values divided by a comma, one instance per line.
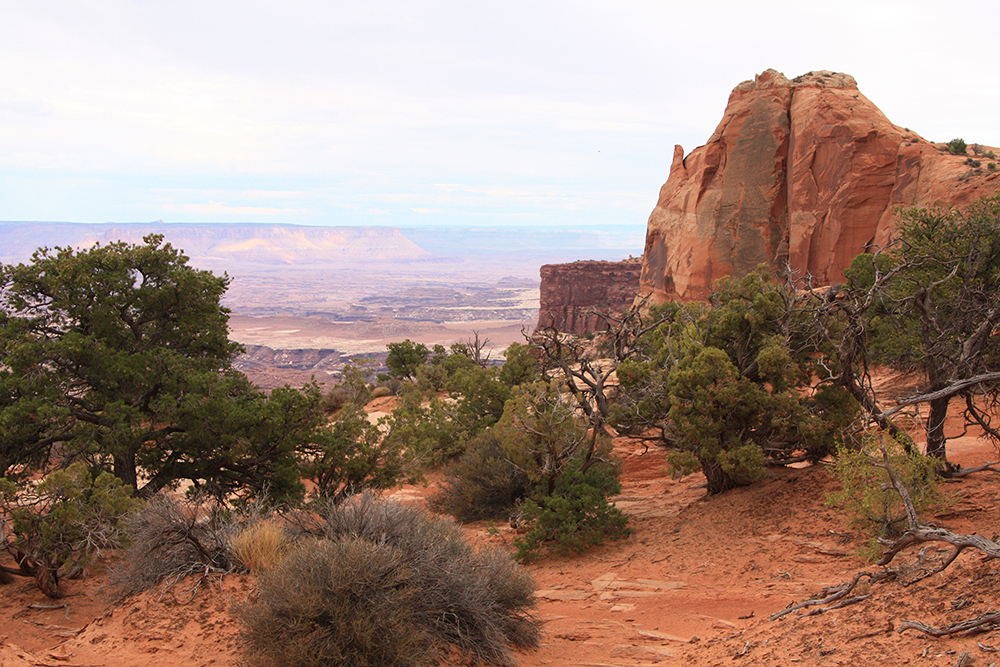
[694, 584]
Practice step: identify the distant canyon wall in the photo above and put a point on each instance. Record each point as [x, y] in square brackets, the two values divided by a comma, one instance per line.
[571, 293]
[801, 173]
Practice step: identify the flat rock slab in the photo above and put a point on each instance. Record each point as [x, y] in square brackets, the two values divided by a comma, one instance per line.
[563, 595]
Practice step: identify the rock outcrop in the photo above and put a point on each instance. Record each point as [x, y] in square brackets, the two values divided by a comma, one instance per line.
[571, 293]
[800, 174]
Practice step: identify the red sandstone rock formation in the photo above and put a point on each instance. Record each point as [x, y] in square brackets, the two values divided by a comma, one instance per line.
[571, 292]
[800, 174]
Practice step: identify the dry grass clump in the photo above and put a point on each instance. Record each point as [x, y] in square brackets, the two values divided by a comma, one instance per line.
[379, 392]
[260, 546]
[424, 591]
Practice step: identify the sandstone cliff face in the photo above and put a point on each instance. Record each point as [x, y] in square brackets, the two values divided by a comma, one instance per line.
[569, 292]
[800, 174]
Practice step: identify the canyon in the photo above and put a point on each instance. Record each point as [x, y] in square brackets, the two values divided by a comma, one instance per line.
[307, 300]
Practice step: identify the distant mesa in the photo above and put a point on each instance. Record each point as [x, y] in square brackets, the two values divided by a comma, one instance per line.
[229, 244]
[801, 174]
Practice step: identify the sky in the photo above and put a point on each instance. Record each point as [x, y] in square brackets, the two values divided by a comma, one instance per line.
[431, 113]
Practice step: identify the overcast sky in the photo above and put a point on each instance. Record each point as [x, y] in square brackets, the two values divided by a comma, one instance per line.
[405, 112]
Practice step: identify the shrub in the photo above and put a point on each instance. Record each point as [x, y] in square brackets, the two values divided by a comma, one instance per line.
[335, 399]
[350, 455]
[347, 602]
[482, 484]
[570, 468]
[957, 147]
[394, 575]
[972, 163]
[405, 358]
[576, 516]
[870, 500]
[379, 392]
[521, 365]
[428, 434]
[58, 526]
[169, 540]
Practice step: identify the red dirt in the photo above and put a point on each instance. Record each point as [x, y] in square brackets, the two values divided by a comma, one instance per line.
[694, 584]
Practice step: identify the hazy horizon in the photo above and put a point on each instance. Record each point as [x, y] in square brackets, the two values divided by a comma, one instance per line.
[216, 243]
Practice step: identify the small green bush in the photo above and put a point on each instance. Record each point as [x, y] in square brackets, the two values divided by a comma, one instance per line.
[55, 528]
[353, 389]
[335, 399]
[427, 433]
[868, 497]
[350, 455]
[972, 163]
[576, 516]
[957, 147]
[482, 484]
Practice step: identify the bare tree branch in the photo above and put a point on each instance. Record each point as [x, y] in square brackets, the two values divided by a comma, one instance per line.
[981, 623]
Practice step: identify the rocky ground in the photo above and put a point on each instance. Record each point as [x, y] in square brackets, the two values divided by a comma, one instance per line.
[694, 584]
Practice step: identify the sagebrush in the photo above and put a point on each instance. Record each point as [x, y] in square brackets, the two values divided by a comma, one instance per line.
[170, 539]
[397, 586]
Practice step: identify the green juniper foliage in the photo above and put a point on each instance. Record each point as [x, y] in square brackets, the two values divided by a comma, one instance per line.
[62, 523]
[732, 383]
[571, 468]
[868, 497]
[935, 292]
[576, 516]
[119, 355]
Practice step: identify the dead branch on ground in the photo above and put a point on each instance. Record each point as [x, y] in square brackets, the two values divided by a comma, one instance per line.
[917, 532]
[836, 596]
[982, 623]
